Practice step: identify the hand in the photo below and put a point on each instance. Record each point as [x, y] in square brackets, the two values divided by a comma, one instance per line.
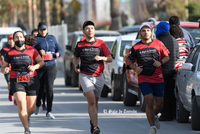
[31, 68]
[77, 70]
[6, 70]
[98, 58]
[156, 63]
[42, 52]
[139, 69]
[57, 54]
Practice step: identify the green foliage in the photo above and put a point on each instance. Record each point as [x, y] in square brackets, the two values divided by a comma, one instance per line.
[194, 12]
[76, 6]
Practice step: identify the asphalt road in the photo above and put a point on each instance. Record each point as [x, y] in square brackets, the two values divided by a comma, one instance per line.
[70, 110]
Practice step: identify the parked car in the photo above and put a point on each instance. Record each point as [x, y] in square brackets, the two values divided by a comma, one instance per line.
[187, 90]
[108, 40]
[71, 77]
[6, 31]
[3, 43]
[113, 70]
[129, 29]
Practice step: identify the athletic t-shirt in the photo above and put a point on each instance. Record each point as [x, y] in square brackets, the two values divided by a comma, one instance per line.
[145, 54]
[4, 50]
[20, 60]
[87, 51]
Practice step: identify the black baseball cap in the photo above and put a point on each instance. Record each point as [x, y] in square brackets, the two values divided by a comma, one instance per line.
[88, 22]
[42, 25]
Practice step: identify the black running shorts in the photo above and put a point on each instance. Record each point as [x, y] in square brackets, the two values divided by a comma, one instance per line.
[31, 88]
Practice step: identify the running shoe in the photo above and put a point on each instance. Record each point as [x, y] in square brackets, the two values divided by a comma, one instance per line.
[27, 131]
[157, 123]
[96, 130]
[91, 126]
[37, 109]
[44, 107]
[50, 115]
[15, 102]
[153, 130]
[10, 97]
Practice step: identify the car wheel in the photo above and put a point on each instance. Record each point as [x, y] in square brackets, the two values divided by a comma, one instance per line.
[128, 98]
[142, 102]
[67, 79]
[74, 78]
[104, 92]
[115, 95]
[195, 119]
[182, 115]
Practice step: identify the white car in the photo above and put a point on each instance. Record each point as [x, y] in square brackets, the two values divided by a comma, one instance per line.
[3, 42]
[113, 70]
[109, 40]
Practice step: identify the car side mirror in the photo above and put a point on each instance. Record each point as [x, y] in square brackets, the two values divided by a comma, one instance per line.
[68, 47]
[188, 66]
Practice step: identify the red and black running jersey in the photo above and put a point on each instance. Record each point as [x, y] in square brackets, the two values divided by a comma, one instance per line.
[4, 50]
[145, 54]
[20, 60]
[87, 51]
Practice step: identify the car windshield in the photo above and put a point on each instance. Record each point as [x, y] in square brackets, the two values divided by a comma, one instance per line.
[109, 44]
[123, 44]
[194, 31]
[4, 36]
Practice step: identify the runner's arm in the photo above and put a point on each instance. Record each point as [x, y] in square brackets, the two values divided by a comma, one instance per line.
[75, 59]
[39, 64]
[5, 68]
[107, 58]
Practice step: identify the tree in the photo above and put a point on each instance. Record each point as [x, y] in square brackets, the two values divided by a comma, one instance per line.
[54, 14]
[114, 12]
[75, 8]
[194, 13]
[43, 10]
[35, 17]
[30, 17]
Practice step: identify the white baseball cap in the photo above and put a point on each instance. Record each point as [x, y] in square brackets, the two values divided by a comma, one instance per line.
[144, 24]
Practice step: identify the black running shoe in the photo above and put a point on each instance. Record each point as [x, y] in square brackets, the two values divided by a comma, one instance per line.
[96, 130]
[91, 126]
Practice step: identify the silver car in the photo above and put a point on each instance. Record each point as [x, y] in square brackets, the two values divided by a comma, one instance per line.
[187, 90]
[113, 70]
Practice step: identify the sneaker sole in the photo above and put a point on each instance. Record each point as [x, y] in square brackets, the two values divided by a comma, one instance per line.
[96, 132]
[50, 118]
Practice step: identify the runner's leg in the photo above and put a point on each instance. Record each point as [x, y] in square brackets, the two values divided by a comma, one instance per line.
[149, 99]
[22, 105]
[92, 107]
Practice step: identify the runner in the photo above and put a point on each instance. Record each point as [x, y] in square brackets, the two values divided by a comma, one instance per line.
[24, 83]
[49, 49]
[3, 52]
[92, 53]
[148, 53]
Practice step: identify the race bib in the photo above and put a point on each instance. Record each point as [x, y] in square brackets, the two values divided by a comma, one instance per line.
[23, 77]
[47, 57]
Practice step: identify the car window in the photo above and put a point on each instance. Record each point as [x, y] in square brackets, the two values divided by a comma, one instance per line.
[74, 42]
[109, 44]
[194, 31]
[190, 57]
[123, 44]
[194, 59]
[114, 49]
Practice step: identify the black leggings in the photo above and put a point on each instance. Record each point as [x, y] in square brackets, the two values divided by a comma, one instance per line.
[47, 75]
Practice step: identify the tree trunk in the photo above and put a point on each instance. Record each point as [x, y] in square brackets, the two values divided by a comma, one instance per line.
[47, 13]
[54, 13]
[30, 18]
[35, 18]
[62, 12]
[114, 12]
[43, 10]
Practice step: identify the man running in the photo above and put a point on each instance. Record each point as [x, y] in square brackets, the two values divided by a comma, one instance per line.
[3, 52]
[147, 53]
[92, 53]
